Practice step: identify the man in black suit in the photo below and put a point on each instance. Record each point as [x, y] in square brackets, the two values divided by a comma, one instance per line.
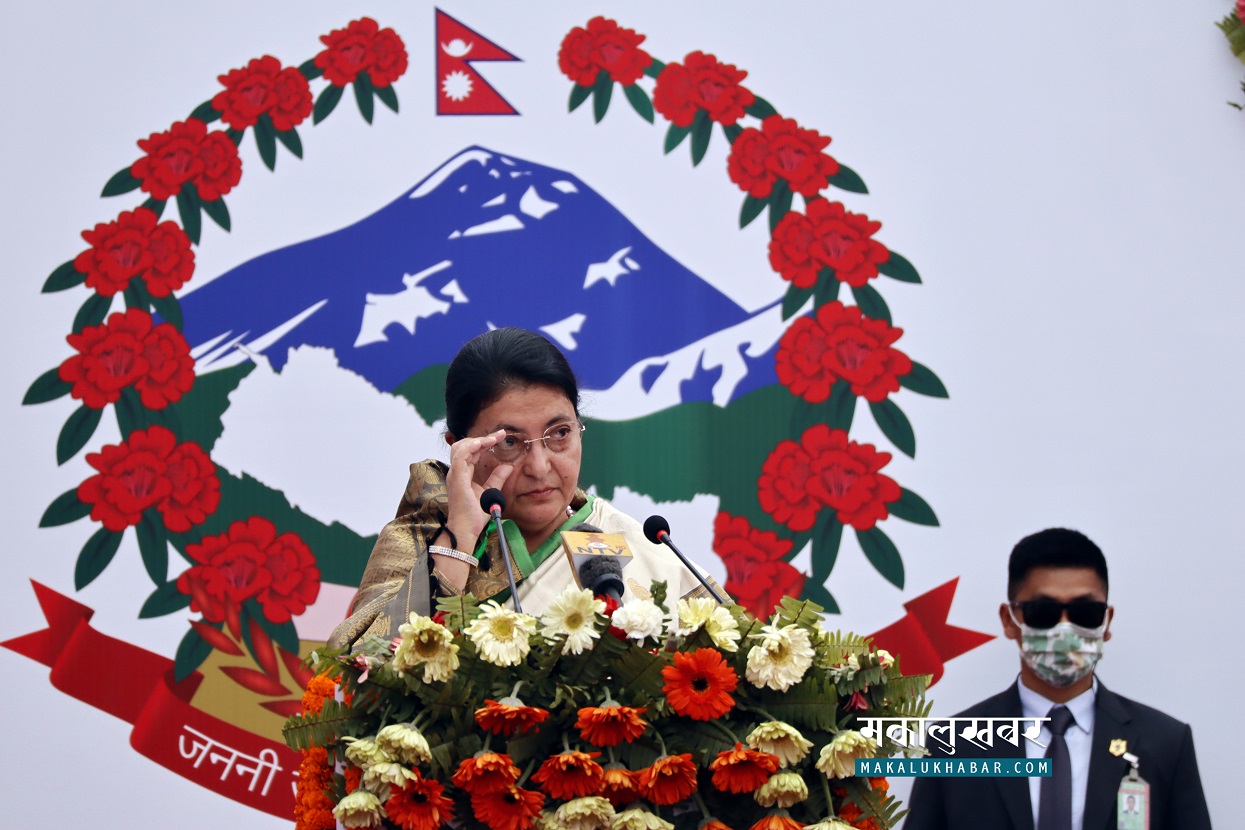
[1057, 613]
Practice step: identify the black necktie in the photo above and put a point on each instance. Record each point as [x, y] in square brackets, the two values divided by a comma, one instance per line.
[1055, 802]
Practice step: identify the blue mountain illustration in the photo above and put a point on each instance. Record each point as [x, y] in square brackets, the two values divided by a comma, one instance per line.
[484, 241]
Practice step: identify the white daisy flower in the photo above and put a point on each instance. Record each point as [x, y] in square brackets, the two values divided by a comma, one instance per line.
[783, 789]
[781, 739]
[404, 742]
[838, 758]
[722, 629]
[780, 659]
[573, 614]
[590, 813]
[640, 619]
[428, 644]
[691, 614]
[501, 635]
[359, 809]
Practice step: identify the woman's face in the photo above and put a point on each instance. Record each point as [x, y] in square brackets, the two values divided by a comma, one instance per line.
[540, 487]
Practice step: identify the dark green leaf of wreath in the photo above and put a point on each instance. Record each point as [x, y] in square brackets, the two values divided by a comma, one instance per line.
[266, 141]
[205, 112]
[794, 300]
[167, 418]
[310, 70]
[169, 309]
[188, 209]
[65, 276]
[133, 295]
[816, 592]
[77, 431]
[218, 211]
[96, 554]
[364, 96]
[882, 554]
[827, 536]
[130, 412]
[897, 267]
[841, 408]
[163, 601]
[923, 381]
[912, 508]
[123, 181]
[153, 544]
[92, 313]
[702, 131]
[236, 136]
[675, 136]
[156, 206]
[283, 634]
[579, 94]
[602, 90]
[779, 203]
[654, 68]
[639, 101]
[387, 96]
[291, 141]
[65, 509]
[895, 426]
[849, 180]
[761, 109]
[731, 132]
[191, 653]
[827, 286]
[47, 387]
[871, 303]
[326, 102]
[751, 209]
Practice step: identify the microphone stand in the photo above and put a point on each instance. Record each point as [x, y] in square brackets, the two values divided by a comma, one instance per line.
[493, 503]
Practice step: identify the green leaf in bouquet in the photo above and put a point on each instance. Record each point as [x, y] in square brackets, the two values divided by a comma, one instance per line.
[639, 101]
[808, 705]
[638, 673]
[658, 589]
[47, 387]
[77, 432]
[459, 611]
[579, 94]
[65, 276]
[334, 721]
[817, 592]
[803, 613]
[66, 508]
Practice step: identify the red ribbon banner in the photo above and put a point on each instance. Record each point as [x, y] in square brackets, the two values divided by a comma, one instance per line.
[213, 753]
[922, 637]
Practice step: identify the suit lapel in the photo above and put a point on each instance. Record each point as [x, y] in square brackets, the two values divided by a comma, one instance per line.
[1014, 790]
[1111, 720]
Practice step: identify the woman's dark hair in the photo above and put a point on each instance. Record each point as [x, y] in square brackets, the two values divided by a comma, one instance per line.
[496, 361]
[1055, 547]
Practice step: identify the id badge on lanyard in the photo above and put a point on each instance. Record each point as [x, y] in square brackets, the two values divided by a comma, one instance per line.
[1132, 802]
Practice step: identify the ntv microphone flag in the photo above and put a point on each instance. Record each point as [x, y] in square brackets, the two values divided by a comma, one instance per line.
[461, 90]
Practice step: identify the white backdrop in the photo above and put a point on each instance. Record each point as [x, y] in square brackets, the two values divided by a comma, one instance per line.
[1066, 176]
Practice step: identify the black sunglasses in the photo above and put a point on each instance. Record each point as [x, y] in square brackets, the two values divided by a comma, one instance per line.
[1046, 613]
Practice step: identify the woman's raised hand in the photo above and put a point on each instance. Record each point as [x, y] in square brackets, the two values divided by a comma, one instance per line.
[471, 460]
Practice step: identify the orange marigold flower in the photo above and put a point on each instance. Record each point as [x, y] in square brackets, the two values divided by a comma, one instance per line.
[879, 783]
[670, 779]
[353, 776]
[487, 773]
[420, 805]
[319, 689]
[853, 815]
[620, 785]
[504, 719]
[313, 810]
[699, 684]
[513, 808]
[611, 725]
[777, 821]
[742, 770]
[571, 774]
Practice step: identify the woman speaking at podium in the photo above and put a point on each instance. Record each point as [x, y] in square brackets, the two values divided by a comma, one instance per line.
[512, 423]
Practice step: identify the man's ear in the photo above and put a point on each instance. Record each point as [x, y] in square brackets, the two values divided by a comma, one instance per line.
[1110, 619]
[1010, 630]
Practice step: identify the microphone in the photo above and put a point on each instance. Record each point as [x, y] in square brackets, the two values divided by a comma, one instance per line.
[600, 574]
[493, 502]
[657, 531]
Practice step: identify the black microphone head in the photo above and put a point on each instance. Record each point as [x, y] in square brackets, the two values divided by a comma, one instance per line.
[654, 527]
[491, 498]
[583, 527]
[602, 575]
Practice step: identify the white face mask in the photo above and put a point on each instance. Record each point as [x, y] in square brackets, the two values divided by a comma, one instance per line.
[1063, 654]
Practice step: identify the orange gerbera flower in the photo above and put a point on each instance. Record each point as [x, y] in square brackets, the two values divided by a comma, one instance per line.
[852, 815]
[714, 824]
[620, 785]
[420, 805]
[699, 684]
[742, 770]
[513, 808]
[669, 780]
[610, 725]
[505, 719]
[486, 773]
[777, 821]
[570, 774]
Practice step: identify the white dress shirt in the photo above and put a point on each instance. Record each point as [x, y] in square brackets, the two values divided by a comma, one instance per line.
[1078, 737]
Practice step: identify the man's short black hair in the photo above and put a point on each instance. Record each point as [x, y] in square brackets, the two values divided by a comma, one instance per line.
[1055, 547]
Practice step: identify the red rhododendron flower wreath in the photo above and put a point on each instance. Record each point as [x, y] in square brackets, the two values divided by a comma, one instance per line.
[263, 87]
[756, 574]
[840, 343]
[846, 478]
[603, 45]
[128, 350]
[701, 82]
[783, 488]
[781, 149]
[362, 47]
[826, 235]
[136, 244]
[184, 154]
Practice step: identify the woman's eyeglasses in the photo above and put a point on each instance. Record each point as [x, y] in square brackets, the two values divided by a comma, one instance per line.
[1046, 613]
[558, 438]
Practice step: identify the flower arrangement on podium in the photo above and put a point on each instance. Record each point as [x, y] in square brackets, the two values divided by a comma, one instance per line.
[594, 716]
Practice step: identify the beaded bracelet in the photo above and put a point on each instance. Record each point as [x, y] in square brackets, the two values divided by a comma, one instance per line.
[453, 554]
